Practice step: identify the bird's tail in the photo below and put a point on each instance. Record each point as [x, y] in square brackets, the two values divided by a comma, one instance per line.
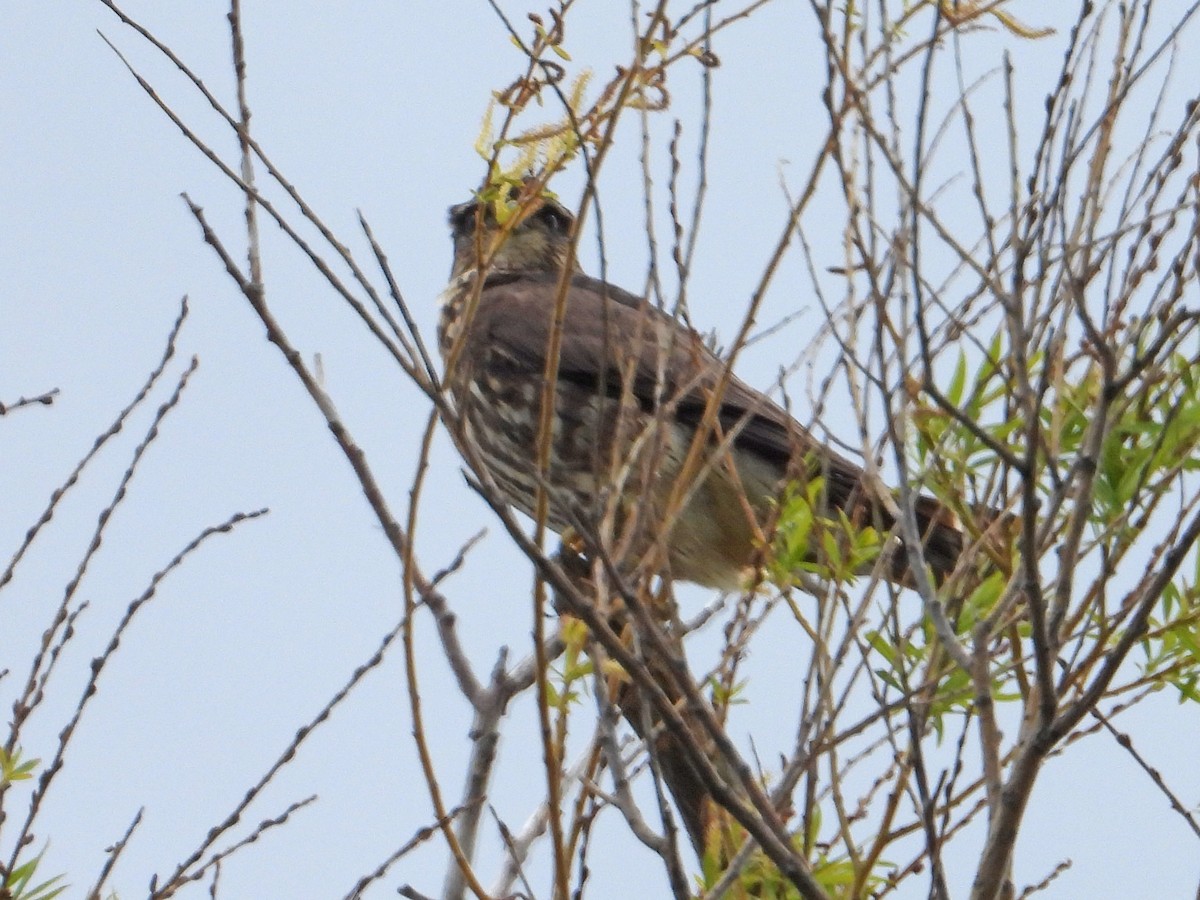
[944, 535]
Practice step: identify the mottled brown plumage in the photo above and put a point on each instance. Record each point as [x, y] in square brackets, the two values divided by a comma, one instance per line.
[633, 387]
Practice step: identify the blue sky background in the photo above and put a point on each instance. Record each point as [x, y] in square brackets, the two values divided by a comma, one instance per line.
[372, 106]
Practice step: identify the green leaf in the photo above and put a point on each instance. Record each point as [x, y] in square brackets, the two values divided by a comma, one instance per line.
[575, 671]
[982, 600]
[16, 885]
[835, 874]
[881, 645]
[954, 393]
[46, 890]
[13, 768]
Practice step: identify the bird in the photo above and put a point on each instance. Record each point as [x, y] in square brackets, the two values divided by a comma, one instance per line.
[648, 421]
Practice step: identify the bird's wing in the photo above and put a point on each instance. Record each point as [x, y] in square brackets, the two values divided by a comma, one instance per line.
[609, 333]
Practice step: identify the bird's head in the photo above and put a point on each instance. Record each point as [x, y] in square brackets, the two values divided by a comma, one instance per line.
[536, 239]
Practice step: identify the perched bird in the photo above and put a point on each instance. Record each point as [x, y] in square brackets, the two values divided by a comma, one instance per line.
[634, 388]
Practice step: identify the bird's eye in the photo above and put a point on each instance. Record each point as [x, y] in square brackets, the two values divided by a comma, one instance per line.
[556, 218]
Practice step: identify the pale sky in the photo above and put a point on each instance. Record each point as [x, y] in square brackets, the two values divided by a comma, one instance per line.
[373, 106]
